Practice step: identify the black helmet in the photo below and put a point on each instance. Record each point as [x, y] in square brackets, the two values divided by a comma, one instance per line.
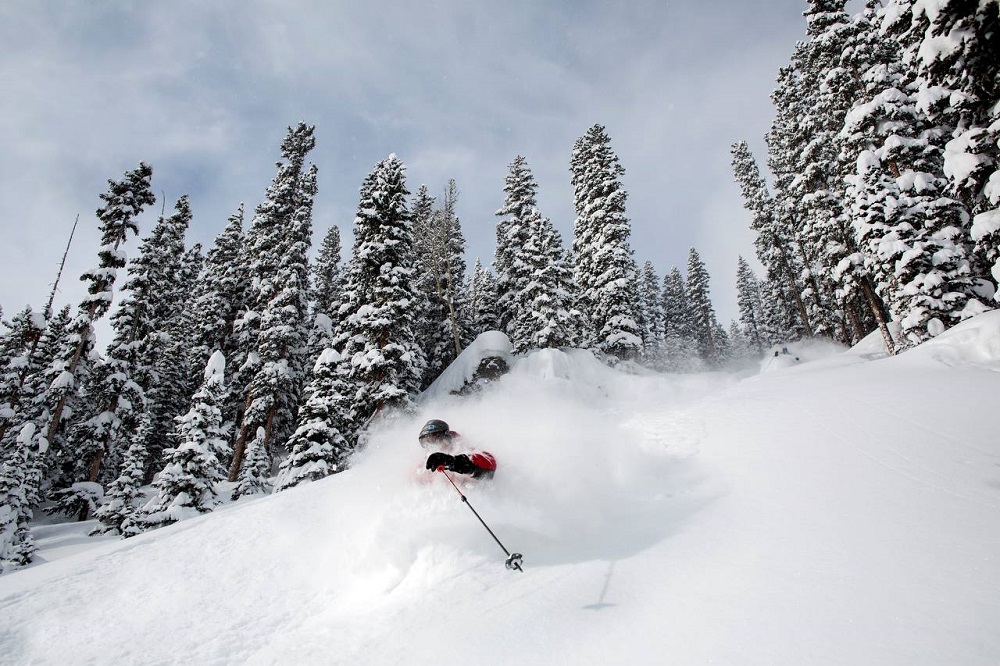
[434, 429]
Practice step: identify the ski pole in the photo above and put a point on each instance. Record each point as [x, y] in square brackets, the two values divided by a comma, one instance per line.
[513, 559]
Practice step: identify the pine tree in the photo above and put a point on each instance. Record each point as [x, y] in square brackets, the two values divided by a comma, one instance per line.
[439, 248]
[679, 350]
[786, 141]
[547, 317]
[16, 543]
[318, 447]
[50, 466]
[328, 276]
[217, 300]
[514, 275]
[255, 472]
[481, 296]
[908, 229]
[741, 348]
[774, 246]
[186, 486]
[118, 386]
[124, 201]
[953, 46]
[18, 364]
[605, 269]
[383, 363]
[751, 309]
[276, 323]
[703, 318]
[650, 307]
[119, 514]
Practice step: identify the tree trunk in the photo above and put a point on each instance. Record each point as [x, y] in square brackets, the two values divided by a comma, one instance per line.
[881, 316]
[240, 448]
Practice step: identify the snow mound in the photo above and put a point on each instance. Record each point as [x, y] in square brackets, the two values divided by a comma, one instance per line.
[975, 341]
[490, 344]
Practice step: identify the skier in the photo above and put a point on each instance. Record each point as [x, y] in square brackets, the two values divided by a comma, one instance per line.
[450, 453]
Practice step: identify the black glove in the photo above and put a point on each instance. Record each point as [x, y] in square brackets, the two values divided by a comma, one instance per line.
[439, 459]
[460, 464]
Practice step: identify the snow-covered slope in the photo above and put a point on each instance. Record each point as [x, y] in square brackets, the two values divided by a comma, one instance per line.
[845, 509]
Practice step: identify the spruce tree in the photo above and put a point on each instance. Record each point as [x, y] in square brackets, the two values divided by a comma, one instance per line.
[186, 486]
[774, 246]
[953, 46]
[605, 269]
[318, 447]
[383, 363]
[679, 351]
[706, 326]
[481, 297]
[547, 315]
[908, 228]
[751, 309]
[118, 387]
[218, 298]
[255, 473]
[650, 307]
[53, 465]
[328, 276]
[439, 248]
[124, 201]
[18, 364]
[276, 323]
[16, 543]
[514, 274]
[119, 514]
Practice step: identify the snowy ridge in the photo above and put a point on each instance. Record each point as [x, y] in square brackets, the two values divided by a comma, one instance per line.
[839, 512]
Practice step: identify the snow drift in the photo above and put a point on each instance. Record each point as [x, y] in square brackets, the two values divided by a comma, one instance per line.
[846, 510]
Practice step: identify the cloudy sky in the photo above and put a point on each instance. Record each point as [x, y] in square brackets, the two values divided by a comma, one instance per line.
[203, 90]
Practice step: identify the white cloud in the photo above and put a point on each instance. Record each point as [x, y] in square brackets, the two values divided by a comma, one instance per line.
[204, 91]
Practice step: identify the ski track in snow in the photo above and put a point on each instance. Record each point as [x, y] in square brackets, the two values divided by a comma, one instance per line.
[816, 513]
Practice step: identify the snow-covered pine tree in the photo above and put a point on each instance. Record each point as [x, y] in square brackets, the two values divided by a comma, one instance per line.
[723, 345]
[118, 387]
[124, 201]
[439, 248]
[328, 277]
[186, 486]
[650, 309]
[383, 362]
[318, 447]
[278, 303]
[679, 352]
[702, 311]
[177, 382]
[513, 273]
[605, 269]
[774, 245]
[255, 473]
[119, 512]
[217, 300]
[18, 364]
[786, 141]
[547, 317]
[755, 334]
[953, 46]
[910, 232]
[481, 297]
[741, 349]
[34, 364]
[327, 287]
[16, 543]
